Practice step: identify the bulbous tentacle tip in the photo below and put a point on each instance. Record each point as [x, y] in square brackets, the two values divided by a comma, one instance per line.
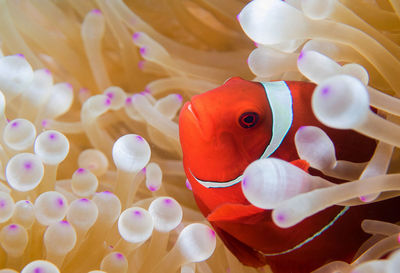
[270, 181]
[96, 11]
[341, 102]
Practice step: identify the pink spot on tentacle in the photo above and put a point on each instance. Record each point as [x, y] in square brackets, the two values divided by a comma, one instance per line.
[110, 95]
[188, 185]
[168, 201]
[28, 165]
[128, 101]
[44, 123]
[38, 270]
[325, 91]
[80, 170]
[212, 233]
[60, 202]
[142, 50]
[301, 128]
[141, 64]
[136, 36]
[52, 136]
[301, 55]
[281, 217]
[119, 256]
[179, 97]
[244, 184]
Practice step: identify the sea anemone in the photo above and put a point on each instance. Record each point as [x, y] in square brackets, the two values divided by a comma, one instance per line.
[91, 176]
[339, 46]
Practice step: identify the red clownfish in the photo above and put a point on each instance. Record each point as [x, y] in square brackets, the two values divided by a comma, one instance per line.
[225, 129]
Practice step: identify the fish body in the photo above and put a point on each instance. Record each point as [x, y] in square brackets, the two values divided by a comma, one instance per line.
[225, 129]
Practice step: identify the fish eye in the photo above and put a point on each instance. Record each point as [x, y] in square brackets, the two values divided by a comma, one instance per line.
[248, 119]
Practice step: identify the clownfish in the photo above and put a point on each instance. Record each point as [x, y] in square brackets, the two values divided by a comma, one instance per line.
[225, 129]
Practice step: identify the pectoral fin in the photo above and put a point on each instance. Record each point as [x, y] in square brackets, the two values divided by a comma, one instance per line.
[234, 212]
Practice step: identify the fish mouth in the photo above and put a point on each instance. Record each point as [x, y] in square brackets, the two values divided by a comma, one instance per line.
[191, 110]
[196, 120]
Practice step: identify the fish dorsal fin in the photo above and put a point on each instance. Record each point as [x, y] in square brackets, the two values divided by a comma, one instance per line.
[281, 104]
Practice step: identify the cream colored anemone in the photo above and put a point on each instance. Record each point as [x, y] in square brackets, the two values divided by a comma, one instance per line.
[90, 93]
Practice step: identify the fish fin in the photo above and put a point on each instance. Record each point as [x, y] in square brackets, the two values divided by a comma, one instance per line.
[233, 212]
[246, 254]
[302, 164]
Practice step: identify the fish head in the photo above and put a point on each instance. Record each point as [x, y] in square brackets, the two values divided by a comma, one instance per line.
[223, 130]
